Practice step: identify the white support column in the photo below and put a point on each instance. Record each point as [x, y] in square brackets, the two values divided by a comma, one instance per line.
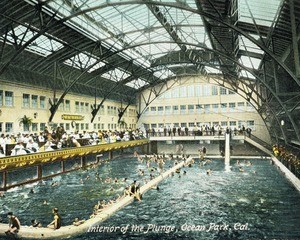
[227, 151]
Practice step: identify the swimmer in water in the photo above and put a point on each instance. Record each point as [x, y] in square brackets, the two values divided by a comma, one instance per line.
[241, 169]
[35, 223]
[208, 171]
[78, 222]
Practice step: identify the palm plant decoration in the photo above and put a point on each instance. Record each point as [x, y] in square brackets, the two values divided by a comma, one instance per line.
[26, 122]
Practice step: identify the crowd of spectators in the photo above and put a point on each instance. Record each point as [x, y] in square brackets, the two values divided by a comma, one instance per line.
[58, 138]
[289, 159]
[201, 130]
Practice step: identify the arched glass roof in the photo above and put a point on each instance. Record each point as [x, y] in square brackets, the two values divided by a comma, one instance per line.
[123, 47]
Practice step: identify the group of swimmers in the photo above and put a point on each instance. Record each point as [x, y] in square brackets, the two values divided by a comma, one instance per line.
[154, 163]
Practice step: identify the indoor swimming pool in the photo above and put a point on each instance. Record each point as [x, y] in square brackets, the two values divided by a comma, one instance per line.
[258, 203]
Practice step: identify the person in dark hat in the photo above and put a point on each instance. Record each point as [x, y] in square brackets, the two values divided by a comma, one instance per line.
[14, 225]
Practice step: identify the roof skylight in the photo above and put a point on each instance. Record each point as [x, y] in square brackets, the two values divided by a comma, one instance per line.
[83, 61]
[43, 45]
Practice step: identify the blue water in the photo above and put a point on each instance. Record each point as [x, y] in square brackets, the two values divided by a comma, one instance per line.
[256, 204]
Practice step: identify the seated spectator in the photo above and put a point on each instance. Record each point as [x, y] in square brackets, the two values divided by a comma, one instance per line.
[14, 225]
[32, 146]
[19, 149]
[56, 223]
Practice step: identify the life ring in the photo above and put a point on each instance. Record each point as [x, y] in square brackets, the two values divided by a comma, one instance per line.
[73, 124]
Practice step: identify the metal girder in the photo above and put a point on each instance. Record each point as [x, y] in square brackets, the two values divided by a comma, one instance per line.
[294, 39]
[222, 39]
[193, 57]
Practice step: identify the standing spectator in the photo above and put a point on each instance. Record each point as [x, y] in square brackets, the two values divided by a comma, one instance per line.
[186, 129]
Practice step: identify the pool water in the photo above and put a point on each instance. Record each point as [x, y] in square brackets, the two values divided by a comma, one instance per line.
[258, 203]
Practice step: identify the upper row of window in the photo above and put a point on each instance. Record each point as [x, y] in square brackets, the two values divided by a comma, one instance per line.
[196, 91]
[35, 101]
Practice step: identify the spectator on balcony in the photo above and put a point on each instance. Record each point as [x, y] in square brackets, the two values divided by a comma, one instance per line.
[186, 129]
[19, 149]
[32, 146]
[174, 131]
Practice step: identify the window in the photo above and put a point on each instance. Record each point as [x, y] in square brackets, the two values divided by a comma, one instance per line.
[67, 126]
[42, 126]
[232, 124]
[191, 124]
[9, 99]
[206, 108]
[42, 102]
[61, 106]
[198, 91]
[241, 106]
[250, 124]
[214, 90]
[250, 107]
[241, 124]
[183, 125]
[190, 91]
[191, 109]
[87, 126]
[223, 91]
[67, 106]
[82, 107]
[182, 109]
[86, 107]
[175, 110]
[9, 127]
[215, 107]
[215, 124]
[206, 90]
[231, 92]
[77, 126]
[223, 124]
[231, 107]
[224, 107]
[34, 127]
[1, 99]
[1, 128]
[153, 110]
[26, 100]
[167, 109]
[160, 110]
[76, 106]
[153, 125]
[198, 108]
[183, 92]
[34, 101]
[102, 109]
